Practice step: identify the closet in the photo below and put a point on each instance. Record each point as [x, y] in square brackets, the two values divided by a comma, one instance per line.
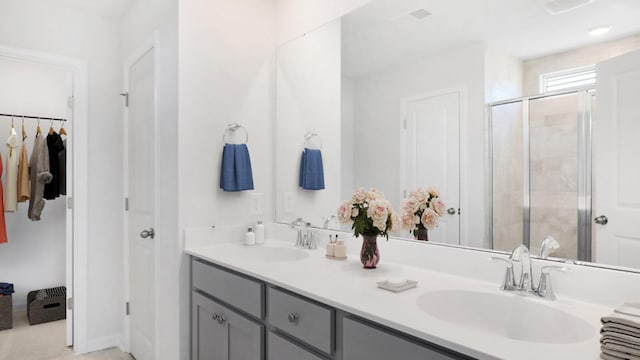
[35, 97]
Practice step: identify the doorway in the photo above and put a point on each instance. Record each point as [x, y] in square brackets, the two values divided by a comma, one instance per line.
[431, 155]
[74, 210]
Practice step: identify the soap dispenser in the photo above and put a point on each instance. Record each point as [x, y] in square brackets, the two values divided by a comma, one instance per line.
[259, 233]
[340, 249]
[250, 237]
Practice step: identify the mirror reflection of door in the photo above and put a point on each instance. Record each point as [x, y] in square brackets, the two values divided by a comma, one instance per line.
[616, 198]
[432, 155]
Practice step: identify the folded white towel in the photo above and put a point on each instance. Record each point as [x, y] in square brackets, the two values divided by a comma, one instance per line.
[621, 329]
[632, 309]
[627, 315]
[621, 348]
[624, 355]
[605, 356]
[621, 342]
[630, 341]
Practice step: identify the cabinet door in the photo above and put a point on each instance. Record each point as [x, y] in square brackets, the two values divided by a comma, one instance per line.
[222, 334]
[281, 349]
[364, 342]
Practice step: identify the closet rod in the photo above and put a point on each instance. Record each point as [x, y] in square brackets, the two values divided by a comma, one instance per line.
[32, 117]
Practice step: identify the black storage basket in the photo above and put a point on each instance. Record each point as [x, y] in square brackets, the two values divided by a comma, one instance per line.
[6, 312]
[47, 305]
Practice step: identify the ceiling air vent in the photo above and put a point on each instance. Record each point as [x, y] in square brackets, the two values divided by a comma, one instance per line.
[555, 7]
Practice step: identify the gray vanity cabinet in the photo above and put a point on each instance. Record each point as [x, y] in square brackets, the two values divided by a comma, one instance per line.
[222, 334]
[279, 348]
[362, 341]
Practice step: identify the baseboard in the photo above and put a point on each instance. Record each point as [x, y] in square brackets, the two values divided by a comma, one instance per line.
[104, 342]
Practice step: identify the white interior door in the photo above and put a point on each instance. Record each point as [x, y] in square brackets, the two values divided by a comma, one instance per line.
[432, 155]
[615, 154]
[141, 185]
[69, 215]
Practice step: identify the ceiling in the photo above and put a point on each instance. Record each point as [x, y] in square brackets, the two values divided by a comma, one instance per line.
[113, 9]
[381, 33]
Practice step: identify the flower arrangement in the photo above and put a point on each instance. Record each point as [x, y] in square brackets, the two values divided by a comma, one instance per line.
[369, 211]
[421, 210]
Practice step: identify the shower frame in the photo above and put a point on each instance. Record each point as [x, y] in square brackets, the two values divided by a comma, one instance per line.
[586, 97]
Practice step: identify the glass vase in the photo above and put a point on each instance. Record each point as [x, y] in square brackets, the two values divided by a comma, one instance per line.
[369, 254]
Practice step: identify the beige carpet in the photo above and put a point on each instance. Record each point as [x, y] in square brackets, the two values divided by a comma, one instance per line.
[44, 342]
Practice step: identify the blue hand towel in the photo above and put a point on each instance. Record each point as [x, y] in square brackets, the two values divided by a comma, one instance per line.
[311, 170]
[6, 289]
[235, 172]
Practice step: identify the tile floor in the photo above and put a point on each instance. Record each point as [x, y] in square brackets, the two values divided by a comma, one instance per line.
[44, 342]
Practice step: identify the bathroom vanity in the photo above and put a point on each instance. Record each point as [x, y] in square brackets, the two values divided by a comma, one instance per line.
[280, 302]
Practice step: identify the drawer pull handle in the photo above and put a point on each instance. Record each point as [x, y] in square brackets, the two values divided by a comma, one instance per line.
[293, 318]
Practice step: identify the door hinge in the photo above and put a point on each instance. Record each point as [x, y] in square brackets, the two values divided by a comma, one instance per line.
[126, 308]
[70, 203]
[70, 102]
[126, 98]
[70, 303]
[458, 211]
[126, 204]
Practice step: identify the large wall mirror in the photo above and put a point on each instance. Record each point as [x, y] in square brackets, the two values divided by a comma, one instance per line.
[491, 102]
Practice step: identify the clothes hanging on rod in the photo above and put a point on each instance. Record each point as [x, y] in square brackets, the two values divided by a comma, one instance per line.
[39, 176]
[54, 146]
[24, 191]
[3, 226]
[11, 178]
[62, 159]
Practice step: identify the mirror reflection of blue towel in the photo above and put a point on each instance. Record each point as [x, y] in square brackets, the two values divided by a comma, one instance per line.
[311, 171]
[235, 172]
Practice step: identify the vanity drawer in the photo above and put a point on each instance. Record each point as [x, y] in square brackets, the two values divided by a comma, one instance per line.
[241, 292]
[302, 319]
[279, 348]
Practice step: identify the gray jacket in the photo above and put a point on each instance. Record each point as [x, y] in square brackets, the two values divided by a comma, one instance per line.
[39, 175]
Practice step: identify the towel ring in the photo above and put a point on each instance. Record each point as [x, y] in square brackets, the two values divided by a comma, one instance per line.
[308, 136]
[231, 129]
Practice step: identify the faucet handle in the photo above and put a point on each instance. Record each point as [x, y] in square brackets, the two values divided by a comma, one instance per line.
[545, 290]
[549, 244]
[508, 283]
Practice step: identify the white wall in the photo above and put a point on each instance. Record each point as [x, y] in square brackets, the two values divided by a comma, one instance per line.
[347, 139]
[503, 75]
[145, 20]
[34, 257]
[42, 26]
[296, 17]
[377, 150]
[226, 74]
[311, 60]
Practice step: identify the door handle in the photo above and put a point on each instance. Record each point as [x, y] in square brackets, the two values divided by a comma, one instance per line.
[601, 220]
[149, 233]
[451, 211]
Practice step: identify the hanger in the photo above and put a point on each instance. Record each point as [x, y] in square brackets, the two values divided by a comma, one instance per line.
[38, 130]
[62, 130]
[51, 130]
[12, 122]
[24, 132]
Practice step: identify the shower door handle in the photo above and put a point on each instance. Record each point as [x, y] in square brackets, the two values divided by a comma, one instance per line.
[601, 220]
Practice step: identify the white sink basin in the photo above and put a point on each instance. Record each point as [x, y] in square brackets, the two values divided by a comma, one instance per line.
[508, 315]
[261, 253]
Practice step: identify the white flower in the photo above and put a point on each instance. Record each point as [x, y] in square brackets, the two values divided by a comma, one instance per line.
[429, 219]
[410, 205]
[344, 212]
[374, 194]
[355, 211]
[420, 195]
[433, 192]
[407, 221]
[438, 206]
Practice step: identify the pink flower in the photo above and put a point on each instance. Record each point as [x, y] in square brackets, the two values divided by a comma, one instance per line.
[419, 195]
[407, 221]
[374, 194]
[355, 211]
[344, 212]
[410, 205]
[433, 192]
[359, 196]
[379, 213]
[429, 219]
[438, 206]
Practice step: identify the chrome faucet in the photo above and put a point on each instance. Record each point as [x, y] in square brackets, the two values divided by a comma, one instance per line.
[548, 245]
[525, 285]
[306, 236]
[329, 220]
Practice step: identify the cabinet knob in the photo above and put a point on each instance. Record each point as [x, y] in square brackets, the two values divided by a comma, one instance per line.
[293, 318]
[215, 316]
[221, 320]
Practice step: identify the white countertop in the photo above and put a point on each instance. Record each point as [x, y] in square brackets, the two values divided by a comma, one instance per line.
[347, 286]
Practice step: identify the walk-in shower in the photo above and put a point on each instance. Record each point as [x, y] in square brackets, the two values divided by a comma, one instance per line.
[540, 172]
